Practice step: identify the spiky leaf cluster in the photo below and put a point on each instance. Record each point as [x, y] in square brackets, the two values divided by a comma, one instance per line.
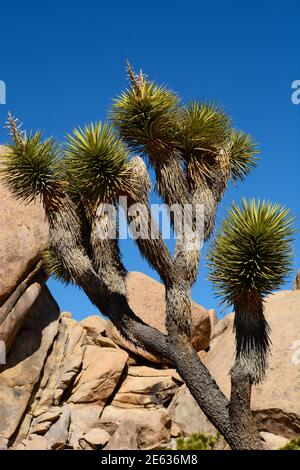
[151, 120]
[242, 151]
[31, 167]
[204, 127]
[96, 161]
[146, 116]
[252, 251]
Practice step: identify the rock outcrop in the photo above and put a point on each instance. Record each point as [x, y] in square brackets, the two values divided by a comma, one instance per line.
[74, 393]
[77, 391]
[23, 235]
[25, 362]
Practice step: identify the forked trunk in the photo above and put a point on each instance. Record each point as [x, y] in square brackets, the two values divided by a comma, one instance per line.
[109, 295]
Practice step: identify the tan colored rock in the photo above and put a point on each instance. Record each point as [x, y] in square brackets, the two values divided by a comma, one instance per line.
[41, 428]
[67, 352]
[146, 387]
[97, 437]
[23, 234]
[84, 417]
[101, 371]
[58, 434]
[94, 325]
[276, 401]
[274, 442]
[18, 447]
[26, 360]
[52, 414]
[213, 318]
[146, 371]
[23, 430]
[296, 284]
[201, 328]
[41, 423]
[102, 342]
[147, 299]
[175, 430]
[125, 437]
[36, 443]
[3, 443]
[11, 325]
[222, 325]
[152, 425]
[66, 315]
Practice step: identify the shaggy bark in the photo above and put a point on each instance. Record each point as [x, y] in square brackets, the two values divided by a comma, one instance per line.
[152, 247]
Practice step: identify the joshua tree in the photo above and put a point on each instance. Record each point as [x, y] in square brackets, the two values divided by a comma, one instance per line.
[194, 152]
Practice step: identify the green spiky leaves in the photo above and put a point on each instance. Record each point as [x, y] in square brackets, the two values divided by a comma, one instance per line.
[208, 143]
[205, 127]
[242, 151]
[249, 258]
[151, 120]
[252, 251]
[146, 116]
[31, 167]
[96, 161]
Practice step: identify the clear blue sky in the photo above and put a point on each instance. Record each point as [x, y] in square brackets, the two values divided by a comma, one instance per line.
[63, 62]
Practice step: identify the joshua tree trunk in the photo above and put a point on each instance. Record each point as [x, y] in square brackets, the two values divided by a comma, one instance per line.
[239, 407]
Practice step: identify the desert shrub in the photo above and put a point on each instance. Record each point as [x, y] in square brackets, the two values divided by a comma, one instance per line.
[197, 441]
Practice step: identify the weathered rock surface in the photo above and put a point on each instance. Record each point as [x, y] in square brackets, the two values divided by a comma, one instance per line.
[58, 434]
[273, 441]
[152, 425]
[150, 307]
[84, 417]
[26, 360]
[68, 351]
[101, 372]
[40, 424]
[97, 437]
[276, 401]
[94, 325]
[23, 234]
[12, 323]
[36, 443]
[147, 387]
[125, 437]
[296, 284]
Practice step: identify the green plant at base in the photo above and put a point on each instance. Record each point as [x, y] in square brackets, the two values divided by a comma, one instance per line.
[197, 441]
[293, 444]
